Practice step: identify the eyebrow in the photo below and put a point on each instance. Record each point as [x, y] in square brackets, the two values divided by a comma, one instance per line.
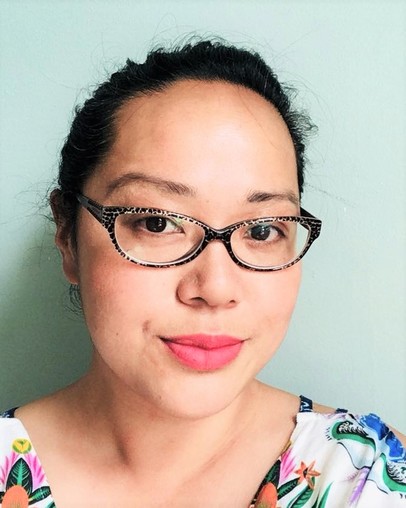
[261, 197]
[181, 189]
[168, 186]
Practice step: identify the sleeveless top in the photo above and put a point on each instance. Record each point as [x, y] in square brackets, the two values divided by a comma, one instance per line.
[332, 460]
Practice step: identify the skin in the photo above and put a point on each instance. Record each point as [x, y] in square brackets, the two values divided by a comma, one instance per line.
[222, 143]
[190, 134]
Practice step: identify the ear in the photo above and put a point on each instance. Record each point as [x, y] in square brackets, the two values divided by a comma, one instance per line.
[63, 238]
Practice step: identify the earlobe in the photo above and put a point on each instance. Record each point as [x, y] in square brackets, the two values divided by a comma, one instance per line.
[63, 240]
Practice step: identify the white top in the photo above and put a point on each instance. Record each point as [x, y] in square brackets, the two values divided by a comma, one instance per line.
[332, 460]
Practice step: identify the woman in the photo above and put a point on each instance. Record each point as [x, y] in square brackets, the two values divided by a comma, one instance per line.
[178, 216]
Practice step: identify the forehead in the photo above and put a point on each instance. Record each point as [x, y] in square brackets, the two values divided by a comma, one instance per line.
[206, 135]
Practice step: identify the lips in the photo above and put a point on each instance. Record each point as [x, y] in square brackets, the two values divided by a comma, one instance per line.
[204, 352]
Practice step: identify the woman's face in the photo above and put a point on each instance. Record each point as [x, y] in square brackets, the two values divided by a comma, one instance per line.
[219, 153]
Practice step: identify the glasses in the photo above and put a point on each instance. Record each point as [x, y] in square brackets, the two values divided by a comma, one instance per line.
[158, 238]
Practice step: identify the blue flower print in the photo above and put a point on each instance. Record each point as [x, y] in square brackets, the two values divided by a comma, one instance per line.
[373, 422]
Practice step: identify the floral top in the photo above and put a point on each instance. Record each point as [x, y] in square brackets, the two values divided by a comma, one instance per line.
[332, 460]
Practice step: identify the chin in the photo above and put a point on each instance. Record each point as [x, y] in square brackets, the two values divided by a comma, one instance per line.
[197, 396]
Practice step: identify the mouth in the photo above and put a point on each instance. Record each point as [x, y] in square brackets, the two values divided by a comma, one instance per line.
[204, 352]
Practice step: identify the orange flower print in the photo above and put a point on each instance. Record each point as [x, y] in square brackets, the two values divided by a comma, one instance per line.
[268, 497]
[307, 473]
[15, 497]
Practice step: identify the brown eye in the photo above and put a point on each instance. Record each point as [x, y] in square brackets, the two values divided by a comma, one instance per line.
[263, 232]
[156, 224]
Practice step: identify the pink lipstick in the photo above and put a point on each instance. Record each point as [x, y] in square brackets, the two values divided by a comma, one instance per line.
[204, 352]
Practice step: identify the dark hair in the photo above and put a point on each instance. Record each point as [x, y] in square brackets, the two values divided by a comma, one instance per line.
[93, 128]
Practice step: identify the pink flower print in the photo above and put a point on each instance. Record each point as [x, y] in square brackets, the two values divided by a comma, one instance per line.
[6, 467]
[37, 472]
[287, 465]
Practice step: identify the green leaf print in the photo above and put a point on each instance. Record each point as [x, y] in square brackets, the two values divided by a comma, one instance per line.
[284, 489]
[323, 501]
[20, 474]
[301, 499]
[345, 430]
[39, 494]
[273, 474]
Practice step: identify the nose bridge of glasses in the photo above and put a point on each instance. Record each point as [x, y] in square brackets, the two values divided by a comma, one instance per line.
[222, 235]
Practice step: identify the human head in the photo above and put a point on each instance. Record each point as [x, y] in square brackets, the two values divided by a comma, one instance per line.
[93, 128]
[219, 153]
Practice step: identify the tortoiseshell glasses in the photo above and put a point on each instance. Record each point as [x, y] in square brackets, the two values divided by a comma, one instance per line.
[159, 238]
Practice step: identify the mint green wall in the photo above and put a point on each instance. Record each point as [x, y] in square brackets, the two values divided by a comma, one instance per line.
[347, 344]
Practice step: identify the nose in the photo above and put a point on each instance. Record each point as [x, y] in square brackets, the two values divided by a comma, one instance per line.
[211, 280]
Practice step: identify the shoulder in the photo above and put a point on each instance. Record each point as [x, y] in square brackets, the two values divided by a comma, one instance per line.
[307, 405]
[366, 429]
[357, 451]
[365, 420]
[340, 457]
[341, 425]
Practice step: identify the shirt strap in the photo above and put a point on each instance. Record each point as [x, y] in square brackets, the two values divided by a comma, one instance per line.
[306, 405]
[9, 413]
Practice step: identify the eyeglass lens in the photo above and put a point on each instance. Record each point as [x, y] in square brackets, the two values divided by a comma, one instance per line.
[156, 238]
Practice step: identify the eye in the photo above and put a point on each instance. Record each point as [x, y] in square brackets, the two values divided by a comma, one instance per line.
[264, 232]
[157, 224]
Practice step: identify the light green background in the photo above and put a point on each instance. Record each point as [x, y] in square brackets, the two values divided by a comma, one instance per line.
[346, 346]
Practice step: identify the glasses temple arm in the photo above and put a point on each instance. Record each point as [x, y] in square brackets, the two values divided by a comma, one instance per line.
[305, 213]
[92, 206]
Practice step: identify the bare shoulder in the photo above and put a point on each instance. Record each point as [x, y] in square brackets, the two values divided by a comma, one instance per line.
[321, 408]
[44, 417]
[283, 403]
[36, 409]
[289, 403]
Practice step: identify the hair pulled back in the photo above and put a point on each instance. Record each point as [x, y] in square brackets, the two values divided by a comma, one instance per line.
[93, 128]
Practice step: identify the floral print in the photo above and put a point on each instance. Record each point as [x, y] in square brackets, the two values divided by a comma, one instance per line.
[22, 480]
[337, 460]
[307, 473]
[332, 461]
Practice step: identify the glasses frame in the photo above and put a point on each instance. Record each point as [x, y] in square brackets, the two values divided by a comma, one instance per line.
[107, 216]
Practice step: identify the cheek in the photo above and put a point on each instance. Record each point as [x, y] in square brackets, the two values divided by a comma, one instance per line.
[118, 296]
[280, 289]
[121, 293]
[275, 303]
[123, 305]
[111, 287]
